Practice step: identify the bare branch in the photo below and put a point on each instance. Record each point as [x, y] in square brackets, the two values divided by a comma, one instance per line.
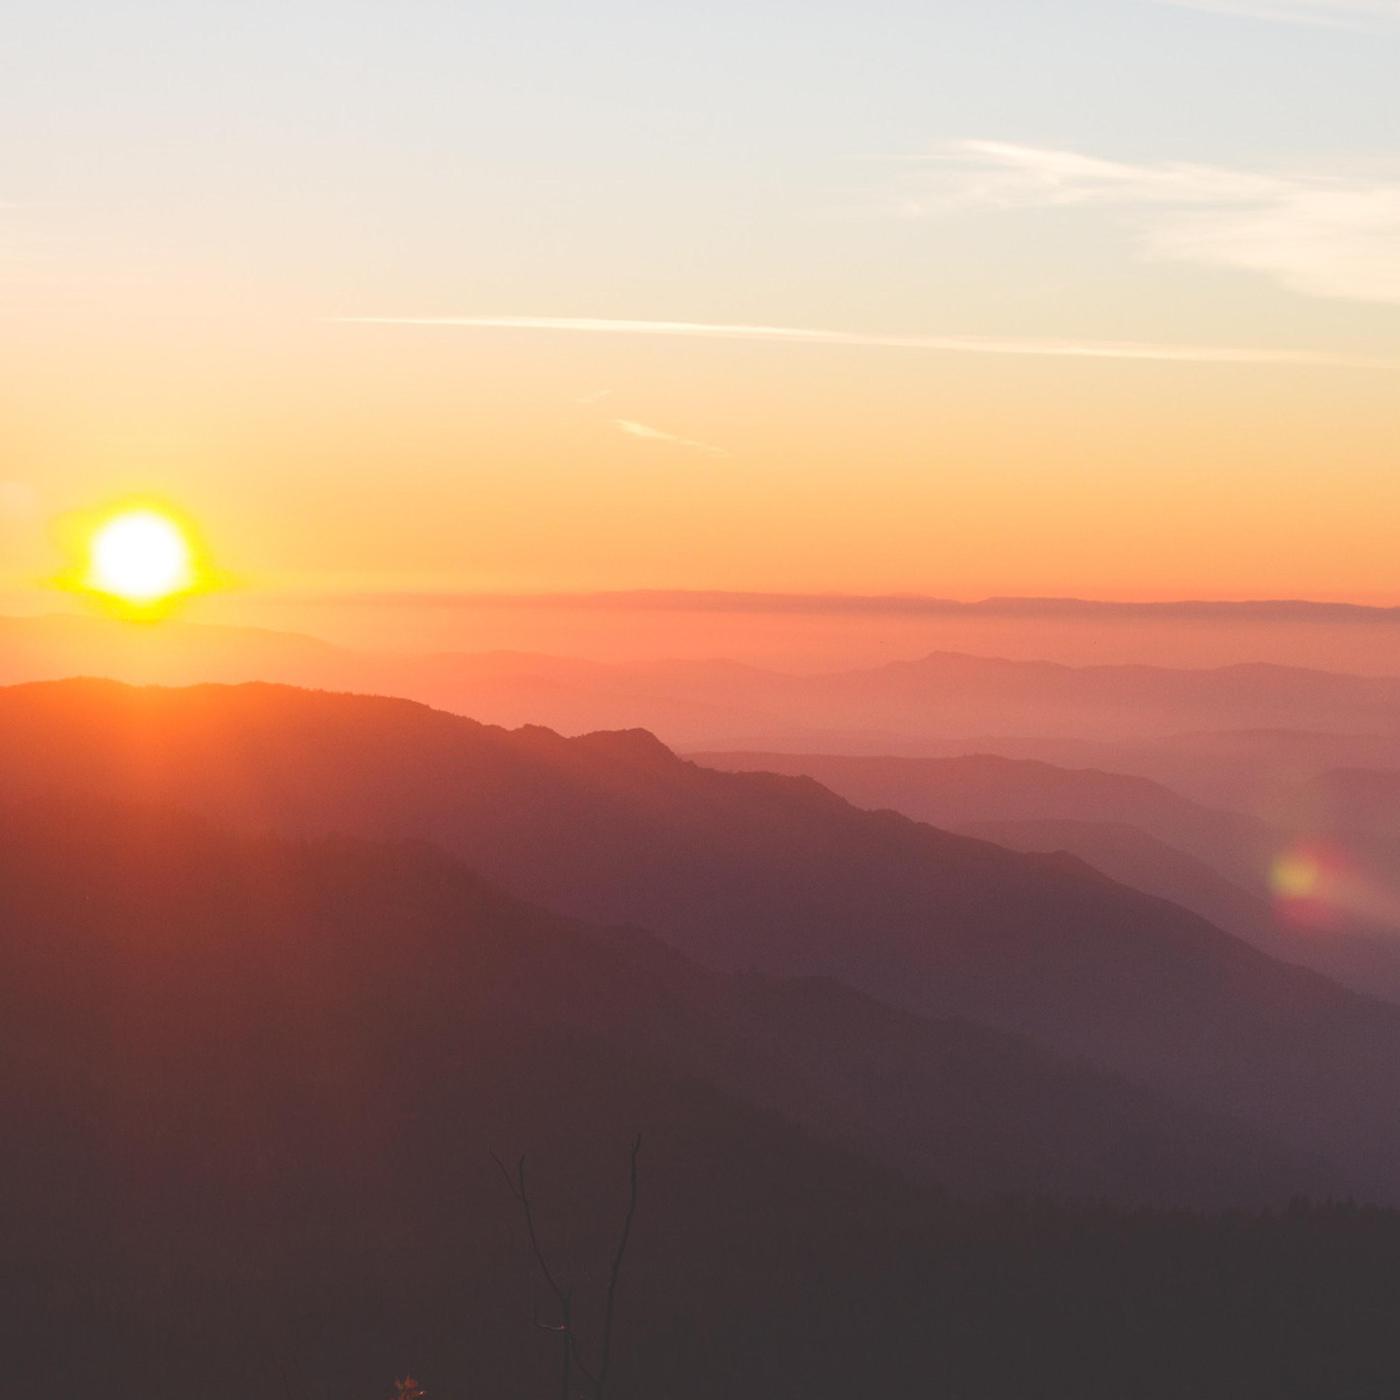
[505, 1172]
[521, 1193]
[606, 1358]
[567, 1351]
[571, 1361]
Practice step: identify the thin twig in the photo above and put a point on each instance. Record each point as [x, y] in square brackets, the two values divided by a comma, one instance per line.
[568, 1349]
[520, 1191]
[570, 1359]
[606, 1357]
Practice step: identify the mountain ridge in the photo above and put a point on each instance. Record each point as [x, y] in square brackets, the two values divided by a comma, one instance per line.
[759, 872]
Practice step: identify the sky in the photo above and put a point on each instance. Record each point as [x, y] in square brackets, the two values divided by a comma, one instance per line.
[1069, 297]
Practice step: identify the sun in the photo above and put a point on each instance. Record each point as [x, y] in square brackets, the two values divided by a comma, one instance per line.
[142, 558]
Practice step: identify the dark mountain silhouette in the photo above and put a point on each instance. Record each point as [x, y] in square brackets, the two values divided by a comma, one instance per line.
[258, 1084]
[761, 872]
[257, 1081]
[945, 1102]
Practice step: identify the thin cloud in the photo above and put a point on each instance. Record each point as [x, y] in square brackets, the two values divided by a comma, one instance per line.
[1323, 236]
[947, 344]
[1330, 14]
[649, 434]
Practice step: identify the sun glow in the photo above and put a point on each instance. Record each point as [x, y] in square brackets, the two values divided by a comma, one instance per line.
[141, 558]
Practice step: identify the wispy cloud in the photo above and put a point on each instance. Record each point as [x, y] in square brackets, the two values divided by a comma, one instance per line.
[1321, 235]
[947, 344]
[649, 434]
[1332, 14]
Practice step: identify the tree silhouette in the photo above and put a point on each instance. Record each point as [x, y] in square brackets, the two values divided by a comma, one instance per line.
[570, 1360]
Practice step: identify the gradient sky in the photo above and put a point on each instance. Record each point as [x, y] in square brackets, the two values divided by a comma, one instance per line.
[519, 296]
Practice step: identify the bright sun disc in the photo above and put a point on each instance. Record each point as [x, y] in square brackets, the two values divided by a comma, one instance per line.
[141, 557]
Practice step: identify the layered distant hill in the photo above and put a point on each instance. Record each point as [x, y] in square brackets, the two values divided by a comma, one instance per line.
[765, 873]
[1220, 863]
[1229, 734]
[1351, 799]
[252, 1085]
[976, 788]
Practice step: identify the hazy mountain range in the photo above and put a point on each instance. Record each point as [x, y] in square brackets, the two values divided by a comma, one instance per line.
[1234, 726]
[1222, 864]
[259, 1080]
[764, 873]
[282, 966]
[283, 963]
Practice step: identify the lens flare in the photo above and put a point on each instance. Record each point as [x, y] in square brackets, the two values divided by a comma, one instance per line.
[1296, 874]
[1316, 884]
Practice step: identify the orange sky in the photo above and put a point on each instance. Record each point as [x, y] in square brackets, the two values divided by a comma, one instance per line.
[1043, 326]
[388, 458]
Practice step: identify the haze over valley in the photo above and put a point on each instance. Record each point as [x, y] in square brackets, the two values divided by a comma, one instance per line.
[700, 702]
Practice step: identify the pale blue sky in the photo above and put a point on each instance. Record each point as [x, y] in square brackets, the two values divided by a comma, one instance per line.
[199, 198]
[444, 150]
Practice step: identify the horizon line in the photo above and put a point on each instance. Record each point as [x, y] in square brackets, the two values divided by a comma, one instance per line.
[759, 601]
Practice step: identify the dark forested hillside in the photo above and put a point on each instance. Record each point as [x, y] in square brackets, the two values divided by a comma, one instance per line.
[254, 945]
[764, 873]
[256, 1083]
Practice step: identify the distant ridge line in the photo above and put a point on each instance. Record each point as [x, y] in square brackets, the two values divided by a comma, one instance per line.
[682, 600]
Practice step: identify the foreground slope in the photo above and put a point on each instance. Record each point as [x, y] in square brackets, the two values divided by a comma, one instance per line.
[767, 873]
[255, 1083]
[258, 1084]
[94, 900]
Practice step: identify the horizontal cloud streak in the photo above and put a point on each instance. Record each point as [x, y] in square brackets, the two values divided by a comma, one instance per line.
[647, 433]
[1319, 235]
[948, 344]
